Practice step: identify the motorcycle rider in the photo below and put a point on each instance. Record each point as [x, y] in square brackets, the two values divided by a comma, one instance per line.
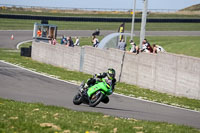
[109, 77]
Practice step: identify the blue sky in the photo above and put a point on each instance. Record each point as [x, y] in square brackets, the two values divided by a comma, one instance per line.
[122, 4]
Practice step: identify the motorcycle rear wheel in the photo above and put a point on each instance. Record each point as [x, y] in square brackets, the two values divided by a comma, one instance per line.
[95, 99]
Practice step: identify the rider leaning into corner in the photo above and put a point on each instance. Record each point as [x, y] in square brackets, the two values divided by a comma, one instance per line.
[109, 77]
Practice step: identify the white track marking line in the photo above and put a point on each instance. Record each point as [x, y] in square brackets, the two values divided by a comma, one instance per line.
[113, 93]
[20, 43]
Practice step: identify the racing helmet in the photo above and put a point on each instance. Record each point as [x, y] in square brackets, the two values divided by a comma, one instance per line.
[111, 73]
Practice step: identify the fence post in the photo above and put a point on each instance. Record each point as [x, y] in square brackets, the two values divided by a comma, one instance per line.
[122, 63]
[82, 59]
[143, 23]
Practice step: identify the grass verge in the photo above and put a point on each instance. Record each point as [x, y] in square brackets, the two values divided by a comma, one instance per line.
[20, 117]
[75, 76]
[25, 45]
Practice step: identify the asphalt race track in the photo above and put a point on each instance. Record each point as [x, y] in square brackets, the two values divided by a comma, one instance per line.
[22, 85]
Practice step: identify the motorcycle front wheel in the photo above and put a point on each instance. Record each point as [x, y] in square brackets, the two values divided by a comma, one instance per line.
[77, 100]
[95, 99]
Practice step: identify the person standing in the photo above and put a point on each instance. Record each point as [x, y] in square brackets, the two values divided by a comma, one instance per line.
[39, 32]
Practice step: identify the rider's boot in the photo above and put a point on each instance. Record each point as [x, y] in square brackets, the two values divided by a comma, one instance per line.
[105, 100]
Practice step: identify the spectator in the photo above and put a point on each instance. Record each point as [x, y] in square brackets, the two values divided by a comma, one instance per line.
[63, 40]
[134, 48]
[150, 49]
[95, 41]
[51, 41]
[96, 33]
[122, 45]
[54, 41]
[44, 33]
[70, 42]
[39, 33]
[144, 46]
[77, 43]
[157, 48]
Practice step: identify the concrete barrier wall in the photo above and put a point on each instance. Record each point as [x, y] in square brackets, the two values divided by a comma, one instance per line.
[166, 71]
[188, 77]
[98, 60]
[139, 69]
[57, 55]
[174, 74]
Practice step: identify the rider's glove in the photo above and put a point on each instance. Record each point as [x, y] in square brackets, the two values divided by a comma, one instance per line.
[85, 86]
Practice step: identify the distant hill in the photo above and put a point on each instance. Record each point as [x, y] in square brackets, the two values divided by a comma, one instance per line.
[192, 8]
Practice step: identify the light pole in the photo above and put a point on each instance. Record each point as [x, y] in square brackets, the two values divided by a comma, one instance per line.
[143, 24]
[133, 19]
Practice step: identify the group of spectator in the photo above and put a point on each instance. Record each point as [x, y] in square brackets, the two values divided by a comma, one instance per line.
[53, 41]
[69, 42]
[146, 47]
[43, 33]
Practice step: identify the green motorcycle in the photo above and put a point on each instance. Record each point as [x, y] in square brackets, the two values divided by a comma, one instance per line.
[94, 94]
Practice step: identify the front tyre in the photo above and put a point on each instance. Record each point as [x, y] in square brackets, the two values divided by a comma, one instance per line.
[95, 99]
[77, 100]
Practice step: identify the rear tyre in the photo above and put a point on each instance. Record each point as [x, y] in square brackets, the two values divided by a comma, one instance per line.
[77, 100]
[95, 99]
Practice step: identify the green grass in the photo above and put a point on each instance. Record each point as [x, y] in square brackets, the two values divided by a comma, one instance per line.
[20, 117]
[77, 77]
[21, 24]
[136, 91]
